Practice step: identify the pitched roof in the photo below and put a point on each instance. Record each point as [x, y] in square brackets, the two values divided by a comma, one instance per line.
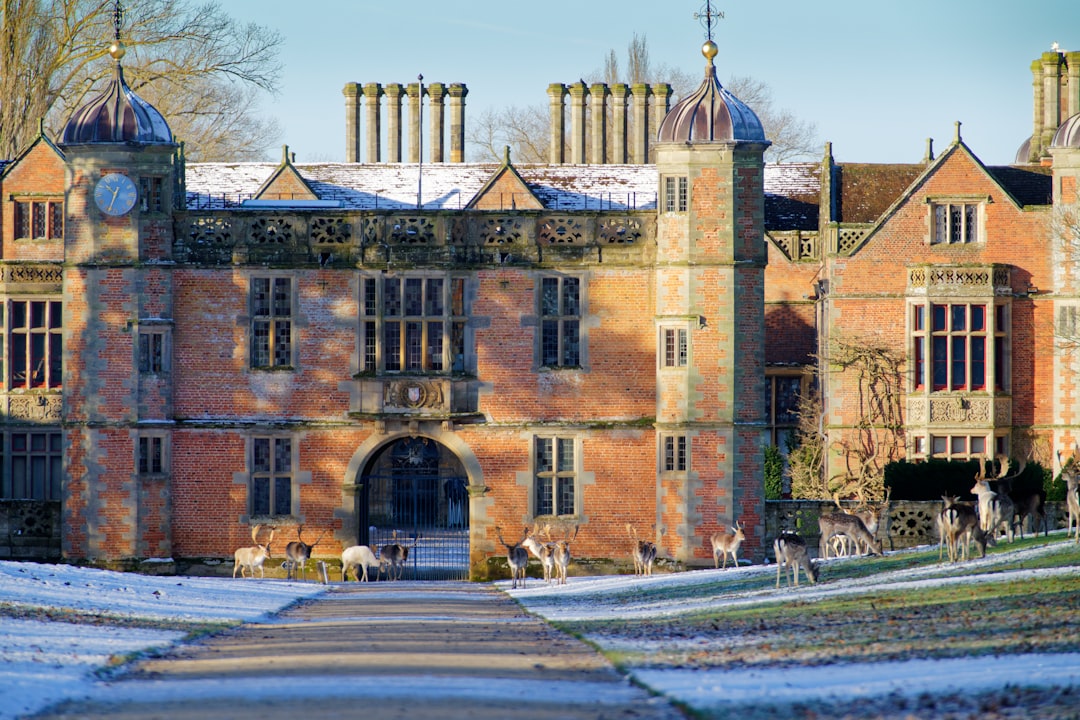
[865, 191]
[1029, 185]
[792, 196]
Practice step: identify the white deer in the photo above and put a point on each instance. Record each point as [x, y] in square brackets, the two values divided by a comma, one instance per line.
[250, 558]
[724, 544]
[543, 551]
[995, 509]
[358, 558]
[1071, 473]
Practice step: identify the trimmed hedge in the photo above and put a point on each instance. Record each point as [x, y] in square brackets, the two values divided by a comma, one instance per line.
[931, 479]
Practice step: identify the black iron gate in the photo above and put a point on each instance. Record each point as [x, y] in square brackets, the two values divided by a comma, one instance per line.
[426, 508]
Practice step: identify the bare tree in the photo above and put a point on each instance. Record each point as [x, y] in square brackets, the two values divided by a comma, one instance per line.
[791, 138]
[806, 459]
[877, 435]
[525, 130]
[54, 57]
[1065, 251]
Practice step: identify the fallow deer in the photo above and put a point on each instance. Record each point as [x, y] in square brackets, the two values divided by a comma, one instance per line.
[1029, 503]
[724, 544]
[358, 558]
[393, 556]
[832, 524]
[996, 510]
[543, 551]
[517, 557]
[562, 555]
[250, 558]
[959, 523]
[1071, 473]
[643, 551]
[298, 552]
[790, 550]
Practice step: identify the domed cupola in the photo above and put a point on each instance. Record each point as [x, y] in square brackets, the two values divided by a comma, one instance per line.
[118, 115]
[711, 113]
[1068, 135]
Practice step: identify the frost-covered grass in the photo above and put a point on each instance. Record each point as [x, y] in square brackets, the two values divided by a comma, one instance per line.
[883, 632]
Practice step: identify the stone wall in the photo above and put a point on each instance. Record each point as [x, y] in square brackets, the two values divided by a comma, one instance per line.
[29, 530]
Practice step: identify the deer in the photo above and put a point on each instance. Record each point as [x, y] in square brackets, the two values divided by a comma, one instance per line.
[995, 509]
[298, 552]
[725, 544]
[358, 558]
[517, 557]
[393, 556]
[543, 551]
[644, 552]
[253, 557]
[562, 555]
[790, 549]
[958, 522]
[870, 516]
[832, 524]
[1071, 473]
[1029, 504]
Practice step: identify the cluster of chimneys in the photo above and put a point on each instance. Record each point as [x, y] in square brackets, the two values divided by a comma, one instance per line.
[609, 124]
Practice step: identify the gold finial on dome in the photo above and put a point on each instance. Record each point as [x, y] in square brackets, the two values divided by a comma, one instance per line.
[709, 50]
[117, 50]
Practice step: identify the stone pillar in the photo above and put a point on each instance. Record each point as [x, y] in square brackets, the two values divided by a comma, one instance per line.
[619, 93]
[661, 93]
[556, 94]
[436, 92]
[457, 122]
[393, 121]
[1072, 91]
[352, 93]
[639, 93]
[415, 92]
[578, 94]
[1051, 115]
[373, 100]
[598, 99]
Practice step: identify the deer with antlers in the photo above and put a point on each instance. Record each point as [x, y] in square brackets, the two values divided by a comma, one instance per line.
[516, 556]
[542, 551]
[724, 544]
[644, 552]
[393, 556]
[298, 552]
[250, 558]
[562, 555]
[996, 510]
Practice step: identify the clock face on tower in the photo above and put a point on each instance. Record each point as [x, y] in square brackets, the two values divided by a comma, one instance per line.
[115, 194]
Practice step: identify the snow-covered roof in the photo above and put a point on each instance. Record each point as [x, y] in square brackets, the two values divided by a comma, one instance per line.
[446, 186]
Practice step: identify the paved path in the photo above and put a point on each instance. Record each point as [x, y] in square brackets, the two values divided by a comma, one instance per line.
[422, 651]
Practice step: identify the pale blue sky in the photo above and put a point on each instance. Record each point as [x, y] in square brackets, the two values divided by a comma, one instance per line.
[877, 78]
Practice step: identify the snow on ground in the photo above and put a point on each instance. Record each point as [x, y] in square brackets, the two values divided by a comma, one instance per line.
[624, 597]
[44, 662]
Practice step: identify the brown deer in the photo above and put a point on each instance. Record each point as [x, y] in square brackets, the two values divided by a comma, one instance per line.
[643, 551]
[542, 551]
[517, 557]
[1029, 503]
[790, 549]
[253, 557]
[959, 523]
[562, 555]
[393, 556]
[725, 544]
[298, 552]
[833, 524]
[870, 516]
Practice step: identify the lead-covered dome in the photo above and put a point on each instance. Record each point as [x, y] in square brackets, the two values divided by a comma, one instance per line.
[118, 115]
[1068, 134]
[711, 113]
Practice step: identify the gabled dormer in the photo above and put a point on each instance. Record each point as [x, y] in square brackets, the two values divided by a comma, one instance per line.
[505, 190]
[32, 189]
[286, 183]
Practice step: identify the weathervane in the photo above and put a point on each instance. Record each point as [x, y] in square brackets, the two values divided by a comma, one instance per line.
[117, 49]
[706, 15]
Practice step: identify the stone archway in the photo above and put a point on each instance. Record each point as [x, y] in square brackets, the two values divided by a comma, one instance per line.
[413, 489]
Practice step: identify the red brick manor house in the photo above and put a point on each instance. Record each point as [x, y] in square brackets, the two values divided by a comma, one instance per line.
[451, 350]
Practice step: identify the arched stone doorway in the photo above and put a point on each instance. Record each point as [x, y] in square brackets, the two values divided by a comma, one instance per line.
[415, 489]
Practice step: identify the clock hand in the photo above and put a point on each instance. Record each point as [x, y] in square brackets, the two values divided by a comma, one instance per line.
[114, 193]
